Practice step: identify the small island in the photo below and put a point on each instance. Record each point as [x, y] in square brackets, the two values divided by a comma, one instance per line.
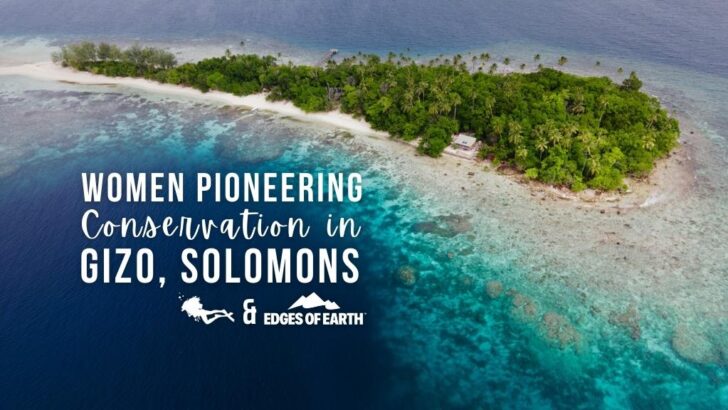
[557, 128]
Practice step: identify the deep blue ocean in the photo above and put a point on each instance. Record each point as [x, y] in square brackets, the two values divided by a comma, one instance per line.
[93, 345]
[438, 344]
[692, 34]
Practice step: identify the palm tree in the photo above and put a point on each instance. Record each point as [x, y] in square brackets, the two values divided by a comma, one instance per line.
[409, 95]
[537, 57]
[592, 165]
[588, 140]
[507, 60]
[570, 129]
[620, 70]
[489, 104]
[442, 97]
[576, 105]
[599, 140]
[515, 136]
[497, 129]
[472, 95]
[420, 89]
[484, 57]
[523, 66]
[598, 63]
[454, 102]
[555, 136]
[493, 67]
[563, 60]
[540, 133]
[602, 104]
[541, 145]
[653, 118]
[521, 153]
[589, 143]
[540, 66]
[648, 142]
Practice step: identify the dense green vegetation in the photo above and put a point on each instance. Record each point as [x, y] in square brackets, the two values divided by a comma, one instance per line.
[555, 127]
[111, 60]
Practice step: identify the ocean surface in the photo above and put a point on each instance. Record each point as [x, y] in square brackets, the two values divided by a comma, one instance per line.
[440, 342]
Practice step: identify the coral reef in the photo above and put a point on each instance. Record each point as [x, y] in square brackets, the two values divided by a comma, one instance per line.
[406, 275]
[494, 288]
[695, 346]
[629, 319]
[559, 330]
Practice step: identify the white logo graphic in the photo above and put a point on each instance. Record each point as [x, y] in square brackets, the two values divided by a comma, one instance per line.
[193, 308]
[313, 301]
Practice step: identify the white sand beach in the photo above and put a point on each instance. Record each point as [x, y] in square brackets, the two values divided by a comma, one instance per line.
[670, 181]
[643, 247]
[53, 72]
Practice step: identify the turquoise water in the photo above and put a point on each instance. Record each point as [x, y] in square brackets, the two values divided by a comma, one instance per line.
[439, 342]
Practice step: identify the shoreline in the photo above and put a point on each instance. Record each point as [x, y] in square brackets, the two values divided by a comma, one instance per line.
[253, 102]
[642, 193]
[591, 245]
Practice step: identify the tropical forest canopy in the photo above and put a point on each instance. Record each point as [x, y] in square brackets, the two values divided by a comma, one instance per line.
[556, 127]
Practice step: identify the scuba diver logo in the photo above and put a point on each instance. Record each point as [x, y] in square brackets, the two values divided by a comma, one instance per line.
[193, 308]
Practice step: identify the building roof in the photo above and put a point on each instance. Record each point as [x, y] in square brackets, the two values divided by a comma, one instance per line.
[464, 140]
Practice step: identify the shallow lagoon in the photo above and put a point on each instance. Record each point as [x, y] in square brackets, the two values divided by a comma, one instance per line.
[433, 334]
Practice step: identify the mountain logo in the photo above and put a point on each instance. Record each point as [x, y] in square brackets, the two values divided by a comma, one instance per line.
[313, 301]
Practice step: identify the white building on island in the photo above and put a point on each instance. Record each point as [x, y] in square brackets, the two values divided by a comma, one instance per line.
[464, 146]
[464, 141]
